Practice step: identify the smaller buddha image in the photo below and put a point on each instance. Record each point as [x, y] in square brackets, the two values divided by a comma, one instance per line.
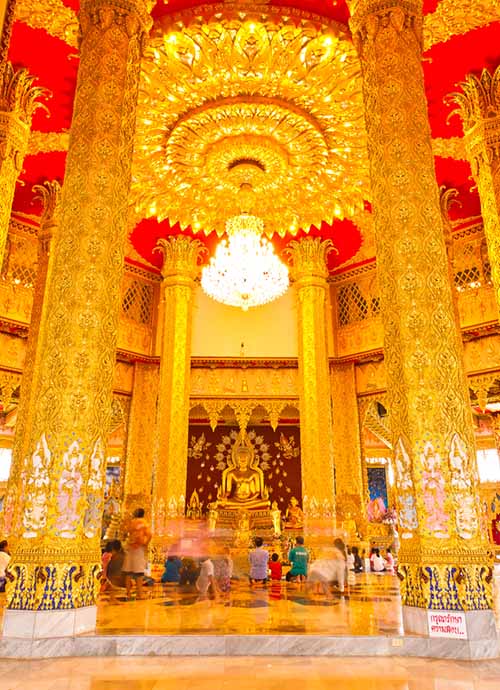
[195, 507]
[276, 518]
[294, 516]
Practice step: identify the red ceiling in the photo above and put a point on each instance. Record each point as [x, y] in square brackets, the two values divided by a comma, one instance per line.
[446, 64]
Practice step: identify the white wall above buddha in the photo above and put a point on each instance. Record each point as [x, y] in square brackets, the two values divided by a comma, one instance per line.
[267, 331]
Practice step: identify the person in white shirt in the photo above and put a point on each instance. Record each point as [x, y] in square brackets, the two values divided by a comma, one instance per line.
[206, 579]
[389, 561]
[350, 559]
[4, 561]
[377, 563]
[331, 566]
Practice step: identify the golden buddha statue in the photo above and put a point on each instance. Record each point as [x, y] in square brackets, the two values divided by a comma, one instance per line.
[242, 484]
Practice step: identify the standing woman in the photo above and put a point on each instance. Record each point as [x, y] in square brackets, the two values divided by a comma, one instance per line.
[134, 564]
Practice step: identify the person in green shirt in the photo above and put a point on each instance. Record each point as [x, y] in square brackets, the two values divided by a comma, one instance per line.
[298, 557]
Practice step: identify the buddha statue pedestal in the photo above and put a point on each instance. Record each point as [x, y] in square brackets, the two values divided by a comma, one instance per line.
[237, 519]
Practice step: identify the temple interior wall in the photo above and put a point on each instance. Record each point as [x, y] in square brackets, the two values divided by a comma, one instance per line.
[267, 331]
[220, 378]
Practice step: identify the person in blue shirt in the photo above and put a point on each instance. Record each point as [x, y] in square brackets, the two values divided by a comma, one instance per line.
[259, 558]
[172, 568]
[299, 558]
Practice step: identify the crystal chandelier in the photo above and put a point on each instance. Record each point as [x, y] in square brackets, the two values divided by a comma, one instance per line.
[245, 272]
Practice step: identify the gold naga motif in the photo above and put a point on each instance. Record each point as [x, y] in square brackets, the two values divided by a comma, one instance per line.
[243, 109]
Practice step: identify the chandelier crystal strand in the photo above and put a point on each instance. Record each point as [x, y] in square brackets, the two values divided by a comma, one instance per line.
[245, 272]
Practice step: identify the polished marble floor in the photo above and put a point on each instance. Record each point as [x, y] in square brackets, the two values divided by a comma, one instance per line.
[370, 607]
[250, 673]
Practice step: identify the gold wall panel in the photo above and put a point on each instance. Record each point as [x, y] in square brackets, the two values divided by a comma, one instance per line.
[356, 296]
[346, 442]
[360, 337]
[124, 377]
[138, 467]
[370, 377]
[228, 382]
[12, 351]
[482, 354]
[477, 306]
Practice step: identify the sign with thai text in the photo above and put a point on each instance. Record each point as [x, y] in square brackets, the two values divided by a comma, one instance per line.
[447, 624]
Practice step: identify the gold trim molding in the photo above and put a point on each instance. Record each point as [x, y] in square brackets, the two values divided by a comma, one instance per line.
[54, 16]
[243, 409]
[452, 18]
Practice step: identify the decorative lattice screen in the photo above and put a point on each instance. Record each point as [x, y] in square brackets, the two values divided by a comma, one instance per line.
[137, 300]
[22, 256]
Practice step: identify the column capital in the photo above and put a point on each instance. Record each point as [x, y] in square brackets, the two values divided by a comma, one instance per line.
[181, 256]
[479, 99]
[18, 102]
[18, 96]
[50, 195]
[478, 105]
[308, 257]
[133, 16]
[368, 17]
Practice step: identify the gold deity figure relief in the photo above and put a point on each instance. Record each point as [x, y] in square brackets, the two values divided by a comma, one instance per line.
[242, 483]
[294, 516]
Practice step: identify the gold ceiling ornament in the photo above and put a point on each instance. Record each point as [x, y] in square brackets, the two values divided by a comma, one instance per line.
[454, 147]
[449, 19]
[452, 18]
[56, 18]
[45, 142]
[245, 96]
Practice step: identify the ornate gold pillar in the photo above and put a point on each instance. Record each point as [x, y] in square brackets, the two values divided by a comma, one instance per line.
[444, 563]
[57, 523]
[349, 491]
[309, 273]
[479, 109]
[7, 16]
[18, 102]
[181, 256]
[50, 194]
[139, 457]
[447, 197]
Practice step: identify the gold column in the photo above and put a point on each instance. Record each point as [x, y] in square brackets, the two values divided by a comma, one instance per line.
[18, 102]
[444, 563]
[50, 194]
[7, 11]
[56, 562]
[479, 109]
[181, 256]
[309, 272]
[139, 457]
[347, 449]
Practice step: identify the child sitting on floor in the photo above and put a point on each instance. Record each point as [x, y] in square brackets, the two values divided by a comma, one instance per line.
[275, 567]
